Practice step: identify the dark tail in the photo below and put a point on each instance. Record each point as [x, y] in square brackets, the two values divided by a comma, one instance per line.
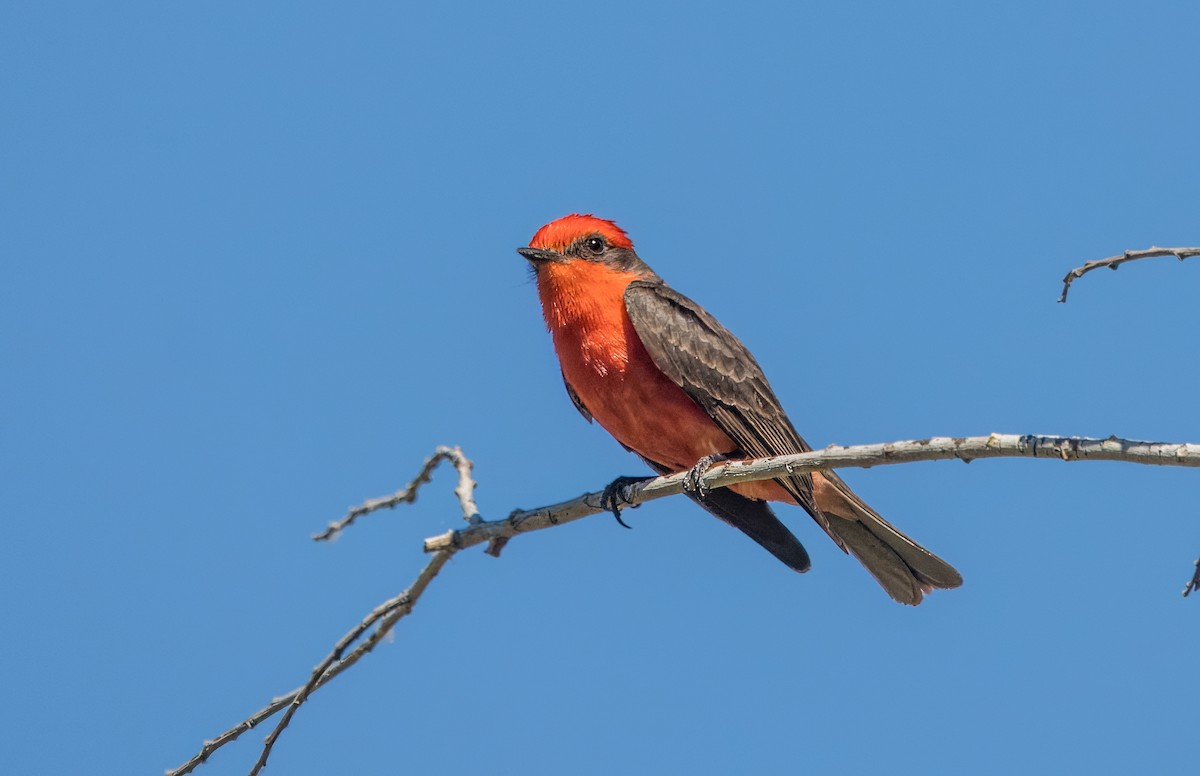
[755, 519]
[905, 569]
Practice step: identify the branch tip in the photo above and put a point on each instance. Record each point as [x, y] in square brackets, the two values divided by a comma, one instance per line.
[465, 491]
[1114, 262]
[1194, 583]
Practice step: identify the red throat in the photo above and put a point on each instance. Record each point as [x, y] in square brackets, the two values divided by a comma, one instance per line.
[584, 300]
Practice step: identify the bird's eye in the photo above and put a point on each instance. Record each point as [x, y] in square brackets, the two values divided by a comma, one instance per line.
[595, 244]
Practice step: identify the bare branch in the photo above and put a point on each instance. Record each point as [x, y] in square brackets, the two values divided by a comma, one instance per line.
[1112, 262]
[385, 616]
[1194, 584]
[862, 456]
[465, 491]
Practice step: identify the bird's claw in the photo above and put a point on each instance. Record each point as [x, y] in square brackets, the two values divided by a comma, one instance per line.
[613, 496]
[694, 481]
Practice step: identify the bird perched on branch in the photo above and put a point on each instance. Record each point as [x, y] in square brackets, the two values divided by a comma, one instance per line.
[673, 385]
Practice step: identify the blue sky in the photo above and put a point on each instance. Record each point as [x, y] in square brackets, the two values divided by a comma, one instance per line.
[258, 262]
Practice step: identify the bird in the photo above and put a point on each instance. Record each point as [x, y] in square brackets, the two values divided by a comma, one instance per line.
[671, 384]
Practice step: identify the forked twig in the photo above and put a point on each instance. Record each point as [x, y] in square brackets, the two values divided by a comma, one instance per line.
[465, 491]
[384, 617]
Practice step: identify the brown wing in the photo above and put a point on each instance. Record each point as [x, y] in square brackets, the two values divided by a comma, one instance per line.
[718, 372]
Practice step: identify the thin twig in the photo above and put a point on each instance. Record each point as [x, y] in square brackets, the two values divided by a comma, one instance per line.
[1112, 262]
[1194, 584]
[408, 494]
[833, 457]
[387, 613]
[465, 489]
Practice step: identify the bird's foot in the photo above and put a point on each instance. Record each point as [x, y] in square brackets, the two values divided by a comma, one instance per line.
[613, 495]
[693, 483]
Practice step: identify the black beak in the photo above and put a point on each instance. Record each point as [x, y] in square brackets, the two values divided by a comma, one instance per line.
[537, 255]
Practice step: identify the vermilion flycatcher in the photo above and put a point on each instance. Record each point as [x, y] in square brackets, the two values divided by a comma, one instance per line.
[676, 387]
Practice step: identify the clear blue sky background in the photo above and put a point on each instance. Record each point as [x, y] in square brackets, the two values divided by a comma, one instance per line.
[258, 261]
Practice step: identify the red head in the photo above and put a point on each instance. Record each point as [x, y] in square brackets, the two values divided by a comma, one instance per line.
[578, 240]
[560, 234]
[582, 265]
